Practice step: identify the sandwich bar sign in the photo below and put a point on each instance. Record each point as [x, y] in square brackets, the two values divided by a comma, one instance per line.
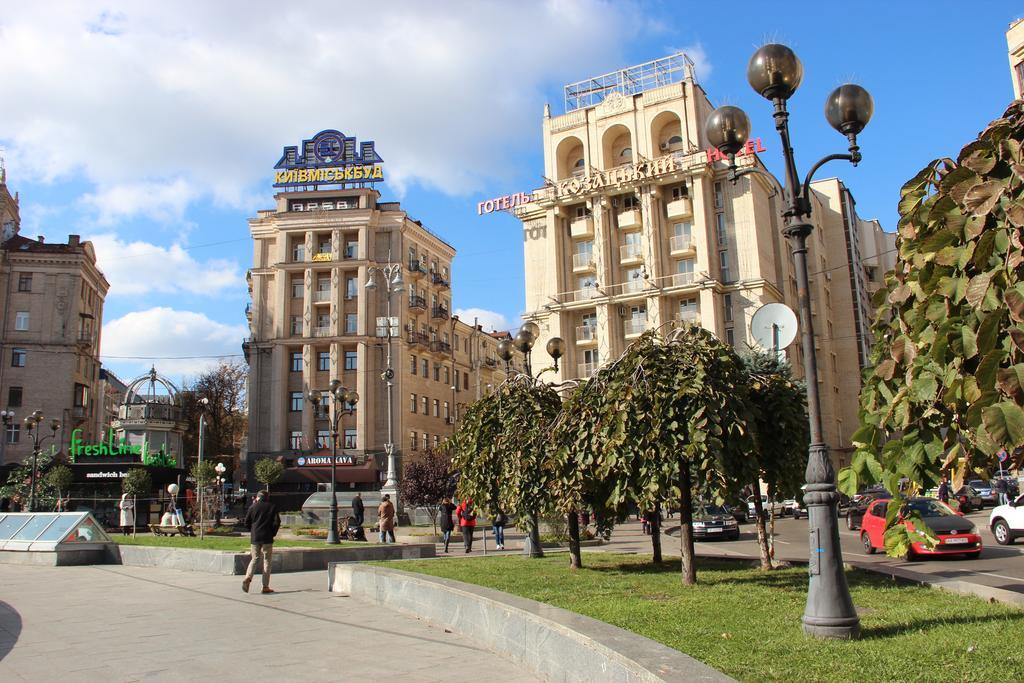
[329, 158]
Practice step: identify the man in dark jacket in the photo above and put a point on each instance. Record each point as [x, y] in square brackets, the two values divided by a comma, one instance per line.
[358, 510]
[263, 521]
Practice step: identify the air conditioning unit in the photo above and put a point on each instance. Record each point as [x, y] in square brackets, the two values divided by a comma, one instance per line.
[622, 311]
[828, 276]
[663, 147]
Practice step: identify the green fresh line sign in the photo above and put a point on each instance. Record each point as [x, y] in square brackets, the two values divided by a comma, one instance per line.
[112, 448]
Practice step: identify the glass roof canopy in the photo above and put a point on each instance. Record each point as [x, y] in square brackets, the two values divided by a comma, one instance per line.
[50, 531]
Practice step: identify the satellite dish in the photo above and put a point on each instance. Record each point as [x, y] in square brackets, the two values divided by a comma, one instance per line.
[774, 327]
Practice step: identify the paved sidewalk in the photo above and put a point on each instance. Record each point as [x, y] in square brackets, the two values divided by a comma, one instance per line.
[112, 623]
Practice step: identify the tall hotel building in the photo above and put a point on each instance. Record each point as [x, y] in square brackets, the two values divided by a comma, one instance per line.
[312, 320]
[638, 227]
[1015, 51]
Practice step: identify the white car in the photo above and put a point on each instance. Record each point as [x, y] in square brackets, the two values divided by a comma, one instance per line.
[1007, 521]
[777, 506]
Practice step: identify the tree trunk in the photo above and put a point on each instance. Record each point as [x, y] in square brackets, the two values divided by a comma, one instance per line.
[655, 514]
[762, 536]
[575, 558]
[535, 549]
[686, 525]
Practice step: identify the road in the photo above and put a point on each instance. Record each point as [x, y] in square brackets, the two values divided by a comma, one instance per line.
[998, 566]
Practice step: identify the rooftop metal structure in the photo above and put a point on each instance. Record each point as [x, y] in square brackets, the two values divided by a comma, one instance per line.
[628, 81]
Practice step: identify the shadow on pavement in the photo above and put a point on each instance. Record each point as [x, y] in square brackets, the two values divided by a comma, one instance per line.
[10, 628]
[872, 633]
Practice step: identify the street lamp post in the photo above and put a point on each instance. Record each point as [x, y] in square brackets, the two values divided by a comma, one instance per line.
[173, 490]
[203, 404]
[32, 423]
[220, 470]
[392, 274]
[343, 401]
[775, 73]
[7, 417]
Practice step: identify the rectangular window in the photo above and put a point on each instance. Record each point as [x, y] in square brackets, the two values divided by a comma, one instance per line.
[412, 364]
[13, 397]
[351, 320]
[351, 288]
[21, 321]
[719, 196]
[323, 438]
[720, 229]
[455, 342]
[350, 249]
[350, 438]
[18, 358]
[295, 440]
[295, 404]
[456, 385]
[25, 282]
[412, 403]
[730, 338]
[723, 262]
[727, 304]
[423, 441]
[465, 381]
[683, 229]
[437, 440]
[299, 252]
[296, 361]
[13, 433]
[629, 202]
[425, 367]
[297, 287]
[323, 320]
[351, 360]
[447, 411]
[81, 396]
[437, 372]
[323, 361]
[412, 441]
[425, 405]
[437, 408]
[591, 357]
[679, 192]
[447, 376]
[296, 324]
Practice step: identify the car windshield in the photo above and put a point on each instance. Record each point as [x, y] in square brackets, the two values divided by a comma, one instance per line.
[978, 483]
[929, 508]
[708, 510]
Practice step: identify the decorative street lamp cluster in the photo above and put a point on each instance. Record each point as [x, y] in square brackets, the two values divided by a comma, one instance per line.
[392, 274]
[344, 401]
[775, 73]
[32, 423]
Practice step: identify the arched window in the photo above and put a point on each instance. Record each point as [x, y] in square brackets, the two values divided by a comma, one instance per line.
[675, 140]
[579, 163]
[626, 153]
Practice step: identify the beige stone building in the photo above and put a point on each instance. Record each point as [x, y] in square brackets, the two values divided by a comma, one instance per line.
[312, 320]
[638, 227]
[50, 321]
[1015, 51]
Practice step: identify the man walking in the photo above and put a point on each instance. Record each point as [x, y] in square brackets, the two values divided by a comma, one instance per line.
[386, 519]
[944, 491]
[263, 521]
[1002, 491]
[358, 510]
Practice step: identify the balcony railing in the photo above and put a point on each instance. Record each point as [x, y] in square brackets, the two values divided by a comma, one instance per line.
[689, 316]
[439, 312]
[586, 333]
[680, 279]
[582, 227]
[629, 219]
[678, 208]
[322, 331]
[418, 338]
[438, 279]
[583, 261]
[440, 346]
[416, 268]
[417, 302]
[585, 370]
[630, 252]
[633, 285]
[321, 296]
[680, 243]
[634, 326]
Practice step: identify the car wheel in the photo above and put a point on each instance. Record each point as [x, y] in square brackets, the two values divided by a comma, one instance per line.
[965, 507]
[866, 542]
[849, 522]
[1001, 530]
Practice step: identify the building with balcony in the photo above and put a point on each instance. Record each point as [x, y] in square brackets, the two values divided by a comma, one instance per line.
[640, 228]
[1015, 51]
[312, 320]
[50, 322]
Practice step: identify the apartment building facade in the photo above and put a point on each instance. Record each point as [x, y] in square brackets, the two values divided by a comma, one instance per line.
[1015, 52]
[50, 324]
[312, 319]
[638, 227]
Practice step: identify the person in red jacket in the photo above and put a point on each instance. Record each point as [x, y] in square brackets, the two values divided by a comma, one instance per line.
[467, 522]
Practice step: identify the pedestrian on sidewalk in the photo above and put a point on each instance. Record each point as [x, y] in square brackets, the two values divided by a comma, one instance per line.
[444, 515]
[386, 519]
[467, 522]
[1001, 491]
[263, 522]
[944, 490]
[498, 521]
[127, 508]
[358, 510]
[645, 522]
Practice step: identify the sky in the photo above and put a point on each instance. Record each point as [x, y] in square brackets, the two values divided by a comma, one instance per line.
[152, 128]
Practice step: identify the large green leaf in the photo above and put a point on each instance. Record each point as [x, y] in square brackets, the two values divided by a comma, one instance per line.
[1004, 422]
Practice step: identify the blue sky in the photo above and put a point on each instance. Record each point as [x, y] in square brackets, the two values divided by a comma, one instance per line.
[153, 129]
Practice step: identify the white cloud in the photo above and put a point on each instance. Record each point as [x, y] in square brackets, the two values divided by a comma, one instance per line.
[158, 104]
[701, 62]
[162, 336]
[136, 267]
[490, 320]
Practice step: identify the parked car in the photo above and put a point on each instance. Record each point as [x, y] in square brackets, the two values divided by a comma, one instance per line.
[956, 535]
[715, 521]
[855, 513]
[775, 506]
[738, 512]
[969, 499]
[794, 507]
[985, 490]
[1007, 521]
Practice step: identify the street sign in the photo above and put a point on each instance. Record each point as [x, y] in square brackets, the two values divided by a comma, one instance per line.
[1002, 455]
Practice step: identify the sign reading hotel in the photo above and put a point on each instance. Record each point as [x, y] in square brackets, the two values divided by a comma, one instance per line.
[112, 450]
[329, 158]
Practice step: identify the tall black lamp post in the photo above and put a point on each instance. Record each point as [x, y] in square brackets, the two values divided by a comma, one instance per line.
[344, 404]
[7, 417]
[32, 423]
[775, 73]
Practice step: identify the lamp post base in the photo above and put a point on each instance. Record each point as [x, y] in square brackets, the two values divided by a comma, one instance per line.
[839, 629]
[332, 529]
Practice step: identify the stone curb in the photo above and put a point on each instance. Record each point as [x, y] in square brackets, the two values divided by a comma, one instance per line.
[990, 593]
[552, 643]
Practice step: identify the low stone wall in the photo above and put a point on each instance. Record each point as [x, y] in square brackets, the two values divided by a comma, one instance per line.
[552, 643]
[54, 558]
[283, 559]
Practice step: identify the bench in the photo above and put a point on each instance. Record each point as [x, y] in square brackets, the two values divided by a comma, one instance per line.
[171, 530]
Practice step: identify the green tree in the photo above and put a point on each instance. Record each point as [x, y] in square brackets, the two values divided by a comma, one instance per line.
[137, 482]
[60, 478]
[226, 421]
[268, 471]
[19, 482]
[946, 386]
[427, 481]
[781, 434]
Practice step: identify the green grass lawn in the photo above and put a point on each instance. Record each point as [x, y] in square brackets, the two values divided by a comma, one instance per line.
[234, 543]
[746, 623]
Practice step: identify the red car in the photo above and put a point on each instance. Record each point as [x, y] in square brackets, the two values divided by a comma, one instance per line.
[957, 536]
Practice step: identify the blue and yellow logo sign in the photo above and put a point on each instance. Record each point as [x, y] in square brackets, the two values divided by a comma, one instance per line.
[329, 158]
